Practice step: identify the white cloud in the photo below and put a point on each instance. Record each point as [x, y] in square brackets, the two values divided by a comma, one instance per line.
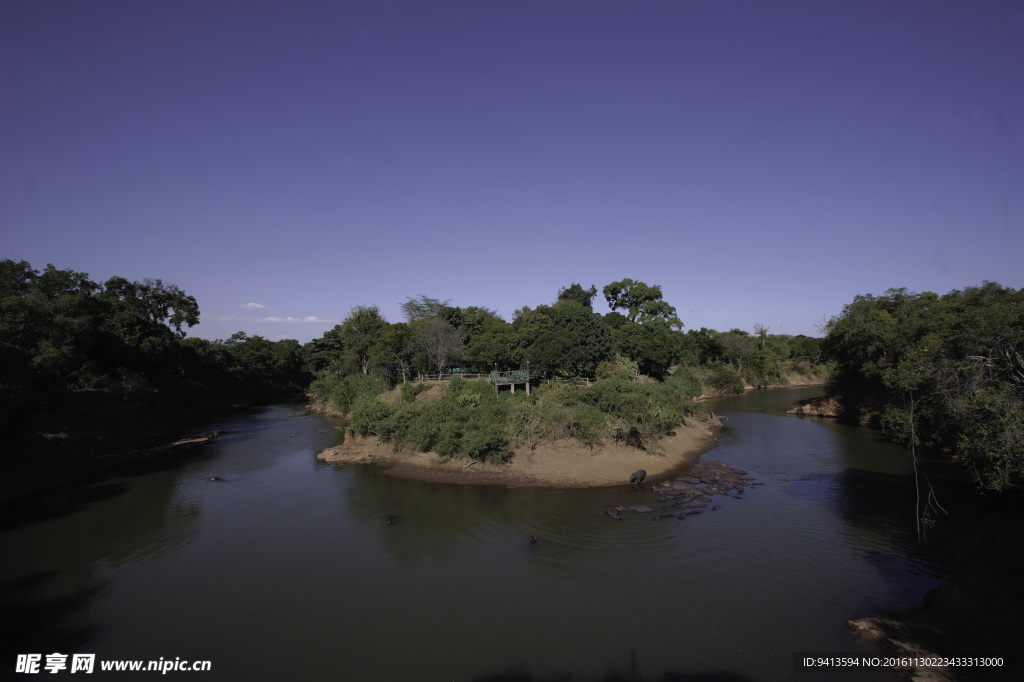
[254, 306]
[309, 319]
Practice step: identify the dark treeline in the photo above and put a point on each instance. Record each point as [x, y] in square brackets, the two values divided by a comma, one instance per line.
[941, 372]
[87, 367]
[91, 368]
[559, 340]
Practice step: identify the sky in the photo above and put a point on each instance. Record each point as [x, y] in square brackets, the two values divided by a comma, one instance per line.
[284, 162]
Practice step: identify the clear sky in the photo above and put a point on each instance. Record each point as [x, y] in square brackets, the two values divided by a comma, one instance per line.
[764, 162]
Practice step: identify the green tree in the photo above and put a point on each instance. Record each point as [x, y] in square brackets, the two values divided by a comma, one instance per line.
[360, 332]
[577, 295]
[572, 342]
[422, 307]
[948, 372]
[155, 301]
[642, 301]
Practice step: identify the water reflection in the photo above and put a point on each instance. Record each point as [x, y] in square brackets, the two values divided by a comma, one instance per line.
[62, 549]
[295, 559]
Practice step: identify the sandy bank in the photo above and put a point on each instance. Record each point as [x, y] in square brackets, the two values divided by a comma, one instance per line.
[562, 464]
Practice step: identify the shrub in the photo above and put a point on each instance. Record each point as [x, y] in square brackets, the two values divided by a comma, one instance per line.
[725, 378]
[486, 444]
[341, 393]
[685, 382]
[409, 392]
[369, 415]
[607, 369]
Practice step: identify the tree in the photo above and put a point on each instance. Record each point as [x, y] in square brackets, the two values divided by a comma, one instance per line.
[490, 339]
[155, 301]
[947, 372]
[326, 353]
[439, 341]
[642, 301]
[573, 341]
[360, 332]
[577, 295]
[395, 349]
[422, 307]
[706, 345]
[801, 346]
[653, 346]
[737, 347]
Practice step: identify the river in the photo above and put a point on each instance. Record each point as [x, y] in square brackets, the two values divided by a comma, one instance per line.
[288, 569]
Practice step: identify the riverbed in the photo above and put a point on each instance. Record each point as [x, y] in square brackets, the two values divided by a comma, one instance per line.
[288, 568]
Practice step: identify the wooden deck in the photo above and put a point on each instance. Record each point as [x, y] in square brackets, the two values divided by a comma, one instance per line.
[510, 378]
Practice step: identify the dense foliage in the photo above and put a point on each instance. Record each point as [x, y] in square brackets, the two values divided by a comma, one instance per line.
[945, 372]
[65, 338]
[649, 371]
[465, 417]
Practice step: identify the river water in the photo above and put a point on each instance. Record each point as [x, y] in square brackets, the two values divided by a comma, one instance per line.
[288, 569]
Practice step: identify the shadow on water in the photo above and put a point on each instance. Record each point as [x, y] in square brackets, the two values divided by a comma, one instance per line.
[34, 624]
[52, 504]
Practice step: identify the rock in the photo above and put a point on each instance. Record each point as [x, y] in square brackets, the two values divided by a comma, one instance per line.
[826, 406]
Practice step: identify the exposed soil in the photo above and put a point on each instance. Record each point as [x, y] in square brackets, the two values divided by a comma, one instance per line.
[561, 464]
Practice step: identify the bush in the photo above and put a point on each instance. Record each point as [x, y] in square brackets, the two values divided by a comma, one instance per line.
[685, 383]
[726, 379]
[341, 393]
[486, 444]
[607, 369]
[369, 415]
[409, 392]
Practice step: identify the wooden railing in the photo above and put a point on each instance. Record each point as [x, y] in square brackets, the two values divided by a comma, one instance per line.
[512, 376]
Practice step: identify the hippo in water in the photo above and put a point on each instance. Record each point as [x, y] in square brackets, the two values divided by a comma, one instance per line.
[614, 513]
[215, 478]
[638, 476]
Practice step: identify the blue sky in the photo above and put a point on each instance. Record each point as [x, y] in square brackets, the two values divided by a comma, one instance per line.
[283, 162]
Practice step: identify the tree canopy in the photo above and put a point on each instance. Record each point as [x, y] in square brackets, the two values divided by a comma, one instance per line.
[643, 302]
[948, 371]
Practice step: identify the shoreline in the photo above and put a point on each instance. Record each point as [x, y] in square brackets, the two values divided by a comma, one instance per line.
[560, 464]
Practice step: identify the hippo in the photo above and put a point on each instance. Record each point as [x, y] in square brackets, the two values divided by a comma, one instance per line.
[614, 513]
[392, 520]
[638, 476]
[215, 478]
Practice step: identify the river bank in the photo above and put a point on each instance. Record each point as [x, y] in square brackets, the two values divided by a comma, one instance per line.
[561, 464]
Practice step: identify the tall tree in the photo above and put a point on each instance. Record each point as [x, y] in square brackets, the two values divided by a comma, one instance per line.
[422, 307]
[155, 301]
[440, 341]
[642, 301]
[361, 331]
[576, 294]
